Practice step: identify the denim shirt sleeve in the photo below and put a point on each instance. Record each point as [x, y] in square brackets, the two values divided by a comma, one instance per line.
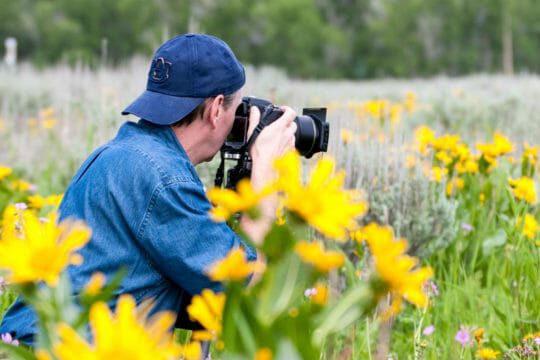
[181, 238]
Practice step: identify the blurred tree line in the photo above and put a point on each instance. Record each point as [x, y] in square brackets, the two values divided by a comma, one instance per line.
[309, 38]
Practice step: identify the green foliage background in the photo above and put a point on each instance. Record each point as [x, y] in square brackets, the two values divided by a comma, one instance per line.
[309, 38]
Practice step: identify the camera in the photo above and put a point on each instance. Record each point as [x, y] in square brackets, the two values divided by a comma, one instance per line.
[312, 133]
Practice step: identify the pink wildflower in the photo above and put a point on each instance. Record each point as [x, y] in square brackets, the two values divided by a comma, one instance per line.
[463, 337]
[6, 338]
[428, 330]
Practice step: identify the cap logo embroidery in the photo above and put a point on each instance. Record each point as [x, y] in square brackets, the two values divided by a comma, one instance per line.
[160, 70]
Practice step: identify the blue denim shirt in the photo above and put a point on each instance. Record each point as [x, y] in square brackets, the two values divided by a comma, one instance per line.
[148, 212]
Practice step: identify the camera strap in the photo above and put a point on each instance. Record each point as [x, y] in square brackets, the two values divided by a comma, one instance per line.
[263, 121]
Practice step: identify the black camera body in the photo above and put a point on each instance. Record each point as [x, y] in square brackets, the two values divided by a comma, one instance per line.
[312, 133]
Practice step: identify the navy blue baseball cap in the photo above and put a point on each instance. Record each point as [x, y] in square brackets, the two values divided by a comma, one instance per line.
[186, 70]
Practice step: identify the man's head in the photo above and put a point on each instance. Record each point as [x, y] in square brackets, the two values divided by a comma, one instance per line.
[187, 71]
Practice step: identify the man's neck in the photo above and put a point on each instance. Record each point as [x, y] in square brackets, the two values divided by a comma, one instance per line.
[192, 138]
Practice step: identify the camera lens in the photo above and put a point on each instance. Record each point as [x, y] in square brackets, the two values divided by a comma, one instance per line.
[312, 132]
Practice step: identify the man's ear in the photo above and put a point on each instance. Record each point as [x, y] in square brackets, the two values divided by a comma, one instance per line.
[213, 110]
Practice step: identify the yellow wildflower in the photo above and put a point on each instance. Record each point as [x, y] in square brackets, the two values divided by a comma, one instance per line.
[486, 353]
[4, 171]
[530, 153]
[37, 201]
[478, 336]
[346, 136]
[233, 267]
[192, 350]
[524, 189]
[424, 137]
[48, 123]
[443, 156]
[125, 335]
[315, 254]
[227, 201]
[322, 202]
[438, 173]
[460, 183]
[43, 249]
[21, 185]
[395, 113]
[482, 199]
[449, 188]
[10, 221]
[320, 294]
[263, 354]
[47, 112]
[3, 126]
[202, 335]
[394, 266]
[95, 284]
[500, 146]
[410, 101]
[207, 309]
[471, 166]
[446, 142]
[410, 161]
[530, 227]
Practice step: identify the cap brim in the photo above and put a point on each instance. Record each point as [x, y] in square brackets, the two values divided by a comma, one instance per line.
[162, 109]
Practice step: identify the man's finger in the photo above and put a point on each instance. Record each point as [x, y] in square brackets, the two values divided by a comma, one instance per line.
[254, 118]
[288, 115]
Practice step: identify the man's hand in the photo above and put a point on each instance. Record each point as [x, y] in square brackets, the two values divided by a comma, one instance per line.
[274, 141]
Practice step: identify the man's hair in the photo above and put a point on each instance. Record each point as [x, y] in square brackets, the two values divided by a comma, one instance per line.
[199, 110]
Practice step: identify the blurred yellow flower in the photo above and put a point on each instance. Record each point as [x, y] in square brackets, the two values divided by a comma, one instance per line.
[394, 266]
[410, 161]
[234, 267]
[95, 284]
[395, 113]
[438, 173]
[478, 336]
[322, 202]
[228, 202]
[530, 227]
[37, 202]
[42, 249]
[500, 146]
[530, 153]
[471, 166]
[124, 335]
[410, 101]
[48, 123]
[346, 136]
[524, 189]
[263, 354]
[3, 126]
[320, 294]
[191, 351]
[21, 185]
[10, 221]
[47, 112]
[207, 309]
[486, 353]
[424, 137]
[5, 171]
[443, 156]
[460, 183]
[446, 142]
[315, 254]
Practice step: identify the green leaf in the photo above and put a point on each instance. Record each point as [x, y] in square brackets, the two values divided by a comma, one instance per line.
[350, 308]
[497, 239]
[284, 283]
[16, 352]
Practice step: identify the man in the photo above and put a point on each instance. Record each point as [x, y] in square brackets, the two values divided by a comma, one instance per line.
[140, 193]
